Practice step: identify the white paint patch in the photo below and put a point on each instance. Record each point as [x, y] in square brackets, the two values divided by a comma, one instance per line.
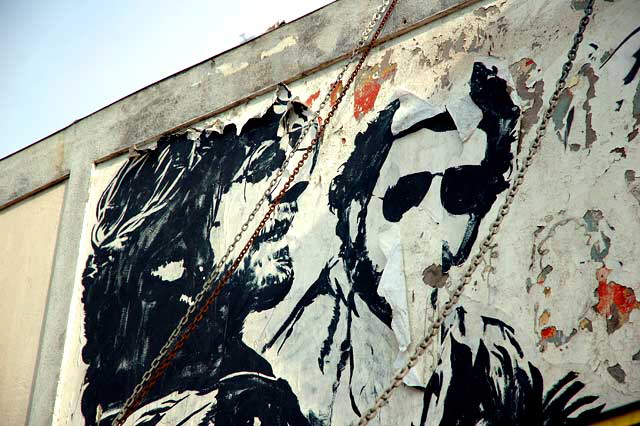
[187, 299]
[228, 69]
[170, 272]
[283, 44]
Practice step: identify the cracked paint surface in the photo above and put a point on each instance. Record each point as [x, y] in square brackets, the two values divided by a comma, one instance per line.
[592, 78]
[522, 70]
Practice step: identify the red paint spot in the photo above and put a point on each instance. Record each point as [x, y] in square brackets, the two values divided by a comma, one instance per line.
[530, 62]
[312, 98]
[548, 332]
[365, 98]
[615, 301]
[369, 83]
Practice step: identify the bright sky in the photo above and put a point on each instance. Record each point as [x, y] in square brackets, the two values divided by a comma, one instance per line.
[61, 59]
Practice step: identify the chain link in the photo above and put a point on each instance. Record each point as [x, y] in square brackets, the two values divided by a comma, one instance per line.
[182, 332]
[383, 398]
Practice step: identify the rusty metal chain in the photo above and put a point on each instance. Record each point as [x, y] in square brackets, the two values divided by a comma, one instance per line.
[187, 325]
[383, 398]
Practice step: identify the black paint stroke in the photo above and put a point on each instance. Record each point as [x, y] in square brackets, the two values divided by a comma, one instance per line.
[497, 386]
[408, 192]
[161, 207]
[442, 122]
[626, 39]
[473, 189]
[634, 69]
[567, 128]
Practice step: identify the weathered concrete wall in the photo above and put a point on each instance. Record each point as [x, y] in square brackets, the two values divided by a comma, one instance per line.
[29, 230]
[347, 280]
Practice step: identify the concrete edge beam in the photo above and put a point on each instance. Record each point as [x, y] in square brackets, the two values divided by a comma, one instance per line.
[288, 53]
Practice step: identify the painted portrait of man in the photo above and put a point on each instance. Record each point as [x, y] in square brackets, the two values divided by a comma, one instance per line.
[158, 229]
[420, 176]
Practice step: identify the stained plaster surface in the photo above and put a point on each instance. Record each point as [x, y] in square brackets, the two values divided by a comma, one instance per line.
[29, 230]
[562, 272]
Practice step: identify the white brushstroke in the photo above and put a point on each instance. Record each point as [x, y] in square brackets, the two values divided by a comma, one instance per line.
[170, 271]
[228, 69]
[283, 44]
[187, 299]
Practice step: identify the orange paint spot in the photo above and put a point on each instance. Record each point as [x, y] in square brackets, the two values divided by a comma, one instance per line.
[369, 83]
[544, 318]
[548, 332]
[335, 93]
[615, 301]
[366, 96]
[312, 98]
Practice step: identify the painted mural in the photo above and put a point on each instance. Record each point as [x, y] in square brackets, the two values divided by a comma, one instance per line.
[152, 252]
[366, 246]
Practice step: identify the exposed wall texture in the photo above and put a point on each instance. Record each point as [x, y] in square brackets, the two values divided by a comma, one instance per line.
[369, 243]
[28, 235]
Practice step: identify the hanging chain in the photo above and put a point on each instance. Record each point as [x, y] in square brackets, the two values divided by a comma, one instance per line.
[182, 332]
[383, 398]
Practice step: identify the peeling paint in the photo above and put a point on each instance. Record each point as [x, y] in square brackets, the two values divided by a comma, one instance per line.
[590, 133]
[282, 45]
[620, 150]
[562, 107]
[633, 183]
[617, 373]
[369, 83]
[553, 335]
[586, 324]
[605, 56]
[542, 276]
[578, 4]
[521, 70]
[548, 332]
[598, 254]
[615, 301]
[433, 276]
[485, 11]
[312, 98]
[544, 318]
[422, 58]
[229, 69]
[336, 92]
[529, 284]
[636, 115]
